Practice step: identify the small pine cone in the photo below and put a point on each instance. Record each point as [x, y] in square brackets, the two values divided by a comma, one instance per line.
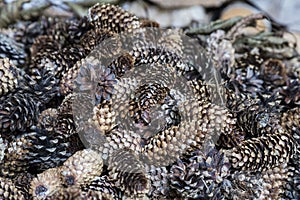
[228, 141]
[50, 149]
[264, 152]
[273, 72]
[78, 28]
[9, 48]
[97, 80]
[122, 64]
[257, 120]
[9, 77]
[42, 84]
[237, 101]
[116, 140]
[12, 158]
[48, 119]
[45, 184]
[268, 184]
[292, 187]
[290, 94]
[61, 124]
[18, 111]
[160, 186]
[84, 76]
[128, 173]
[104, 185]
[81, 168]
[38, 150]
[199, 176]
[274, 181]
[76, 193]
[63, 193]
[291, 119]
[93, 40]
[56, 61]
[66, 126]
[27, 32]
[242, 185]
[205, 121]
[44, 44]
[168, 145]
[145, 98]
[55, 37]
[104, 118]
[8, 190]
[53, 120]
[22, 181]
[113, 18]
[66, 107]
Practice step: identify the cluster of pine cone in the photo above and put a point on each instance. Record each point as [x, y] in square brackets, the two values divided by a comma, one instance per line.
[43, 157]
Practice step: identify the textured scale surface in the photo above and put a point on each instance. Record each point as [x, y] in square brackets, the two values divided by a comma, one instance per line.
[152, 140]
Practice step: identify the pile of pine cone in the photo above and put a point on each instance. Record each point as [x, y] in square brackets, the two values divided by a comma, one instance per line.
[43, 157]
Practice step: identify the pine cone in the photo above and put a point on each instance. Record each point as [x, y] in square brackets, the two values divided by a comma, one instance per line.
[66, 106]
[116, 140]
[267, 184]
[12, 50]
[77, 29]
[112, 18]
[273, 72]
[264, 152]
[290, 94]
[22, 181]
[45, 184]
[8, 190]
[76, 193]
[56, 61]
[97, 80]
[42, 84]
[38, 150]
[81, 168]
[257, 120]
[160, 186]
[27, 32]
[18, 111]
[9, 77]
[104, 119]
[128, 173]
[200, 175]
[292, 187]
[12, 158]
[104, 185]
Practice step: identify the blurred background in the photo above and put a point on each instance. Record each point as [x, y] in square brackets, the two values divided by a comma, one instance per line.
[169, 13]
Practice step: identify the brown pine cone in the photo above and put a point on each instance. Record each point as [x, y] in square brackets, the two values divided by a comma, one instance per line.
[263, 153]
[113, 18]
[81, 168]
[104, 185]
[45, 184]
[8, 190]
[9, 77]
[128, 173]
[199, 176]
[11, 49]
[18, 111]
